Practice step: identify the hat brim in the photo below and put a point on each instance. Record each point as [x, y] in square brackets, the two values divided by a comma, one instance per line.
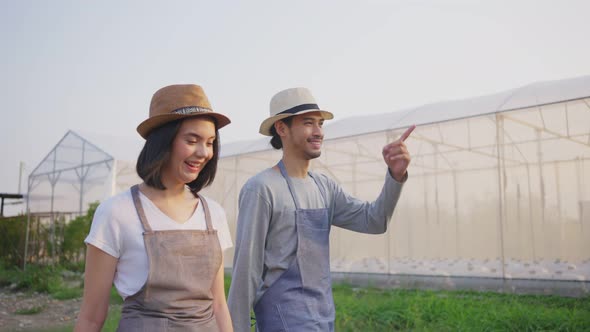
[269, 122]
[154, 122]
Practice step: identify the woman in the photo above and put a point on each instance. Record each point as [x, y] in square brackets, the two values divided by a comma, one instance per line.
[160, 242]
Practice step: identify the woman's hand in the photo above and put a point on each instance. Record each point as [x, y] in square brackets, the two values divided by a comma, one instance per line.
[219, 302]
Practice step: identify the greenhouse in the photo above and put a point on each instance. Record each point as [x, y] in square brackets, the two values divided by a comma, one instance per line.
[74, 174]
[499, 185]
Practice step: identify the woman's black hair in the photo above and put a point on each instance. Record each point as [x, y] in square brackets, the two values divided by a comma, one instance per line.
[275, 141]
[156, 154]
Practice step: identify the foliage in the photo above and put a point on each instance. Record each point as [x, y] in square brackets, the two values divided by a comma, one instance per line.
[12, 244]
[35, 278]
[61, 243]
[42, 279]
[74, 234]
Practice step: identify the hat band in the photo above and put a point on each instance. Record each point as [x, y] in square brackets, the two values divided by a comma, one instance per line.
[299, 108]
[191, 110]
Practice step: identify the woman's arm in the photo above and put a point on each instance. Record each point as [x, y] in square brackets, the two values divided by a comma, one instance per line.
[98, 279]
[219, 303]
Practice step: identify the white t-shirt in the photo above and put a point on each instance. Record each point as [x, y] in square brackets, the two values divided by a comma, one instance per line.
[117, 230]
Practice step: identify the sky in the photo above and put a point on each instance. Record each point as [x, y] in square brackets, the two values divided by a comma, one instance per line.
[92, 66]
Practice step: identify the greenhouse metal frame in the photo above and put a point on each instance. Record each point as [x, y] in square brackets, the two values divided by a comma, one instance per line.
[72, 175]
[499, 185]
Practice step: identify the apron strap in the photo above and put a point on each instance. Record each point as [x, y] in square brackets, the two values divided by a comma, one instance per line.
[289, 183]
[207, 213]
[143, 218]
[139, 208]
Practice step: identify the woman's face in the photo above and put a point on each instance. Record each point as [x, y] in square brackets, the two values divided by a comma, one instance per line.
[192, 148]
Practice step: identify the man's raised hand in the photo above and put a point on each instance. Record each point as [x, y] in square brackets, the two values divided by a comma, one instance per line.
[397, 157]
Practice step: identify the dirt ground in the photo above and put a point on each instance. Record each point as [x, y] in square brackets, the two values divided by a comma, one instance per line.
[53, 313]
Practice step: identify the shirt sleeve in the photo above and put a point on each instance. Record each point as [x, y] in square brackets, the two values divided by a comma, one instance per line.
[104, 231]
[366, 217]
[223, 233]
[252, 225]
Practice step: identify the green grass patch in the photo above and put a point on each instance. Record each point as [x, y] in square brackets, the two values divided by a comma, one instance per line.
[61, 328]
[29, 311]
[112, 321]
[115, 298]
[42, 279]
[67, 293]
[369, 309]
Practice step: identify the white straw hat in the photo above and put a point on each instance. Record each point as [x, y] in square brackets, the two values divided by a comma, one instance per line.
[288, 103]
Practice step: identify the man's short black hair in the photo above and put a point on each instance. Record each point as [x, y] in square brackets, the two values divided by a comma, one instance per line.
[275, 141]
[156, 154]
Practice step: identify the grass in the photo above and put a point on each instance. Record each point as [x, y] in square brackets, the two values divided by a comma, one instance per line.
[67, 293]
[370, 309]
[420, 310]
[42, 279]
[63, 328]
[29, 311]
[111, 322]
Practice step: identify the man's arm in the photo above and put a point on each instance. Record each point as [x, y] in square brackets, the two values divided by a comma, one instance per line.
[365, 217]
[253, 220]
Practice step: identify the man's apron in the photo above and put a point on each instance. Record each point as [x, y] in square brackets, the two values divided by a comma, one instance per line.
[301, 299]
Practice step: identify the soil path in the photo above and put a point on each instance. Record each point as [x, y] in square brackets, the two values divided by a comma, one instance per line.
[51, 312]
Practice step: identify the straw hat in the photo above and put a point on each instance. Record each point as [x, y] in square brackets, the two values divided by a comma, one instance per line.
[175, 102]
[288, 103]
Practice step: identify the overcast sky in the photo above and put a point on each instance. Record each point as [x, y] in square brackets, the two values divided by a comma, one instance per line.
[93, 66]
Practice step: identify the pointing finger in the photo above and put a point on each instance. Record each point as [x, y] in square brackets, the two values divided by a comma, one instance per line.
[407, 133]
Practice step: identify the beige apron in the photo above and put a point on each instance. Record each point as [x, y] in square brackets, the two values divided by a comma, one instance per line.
[182, 267]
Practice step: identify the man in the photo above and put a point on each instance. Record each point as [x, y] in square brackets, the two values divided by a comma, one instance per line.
[282, 264]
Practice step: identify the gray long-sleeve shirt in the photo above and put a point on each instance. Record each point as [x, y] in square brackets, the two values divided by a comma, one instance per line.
[266, 241]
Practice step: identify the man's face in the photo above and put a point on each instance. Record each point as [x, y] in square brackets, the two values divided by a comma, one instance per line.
[305, 135]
